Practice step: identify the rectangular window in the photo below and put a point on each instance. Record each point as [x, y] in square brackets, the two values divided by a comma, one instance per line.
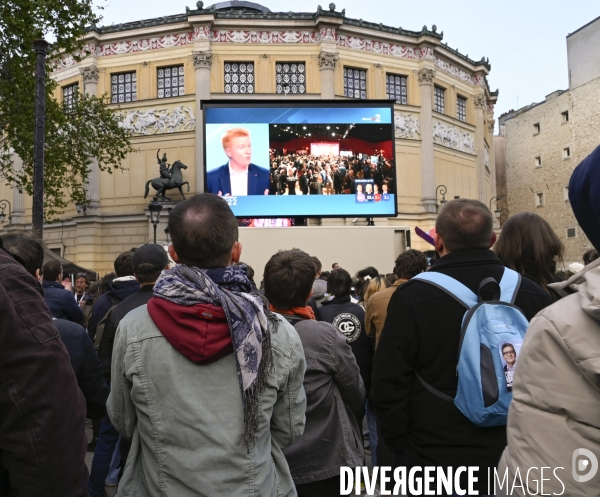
[290, 77]
[439, 95]
[536, 128]
[123, 87]
[539, 199]
[70, 94]
[170, 81]
[538, 161]
[239, 77]
[567, 153]
[395, 88]
[355, 83]
[571, 232]
[461, 109]
[566, 193]
[565, 116]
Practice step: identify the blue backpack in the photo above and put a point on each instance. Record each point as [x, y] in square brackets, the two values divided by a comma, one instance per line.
[490, 340]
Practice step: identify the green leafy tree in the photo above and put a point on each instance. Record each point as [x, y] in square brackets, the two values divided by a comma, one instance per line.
[86, 131]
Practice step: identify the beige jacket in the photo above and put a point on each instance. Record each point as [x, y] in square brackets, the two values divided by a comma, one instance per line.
[556, 396]
[376, 310]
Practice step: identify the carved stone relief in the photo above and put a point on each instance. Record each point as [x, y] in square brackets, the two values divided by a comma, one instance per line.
[202, 60]
[406, 125]
[452, 137]
[327, 60]
[486, 156]
[90, 74]
[156, 121]
[426, 76]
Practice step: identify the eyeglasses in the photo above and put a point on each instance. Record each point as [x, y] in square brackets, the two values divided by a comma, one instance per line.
[508, 353]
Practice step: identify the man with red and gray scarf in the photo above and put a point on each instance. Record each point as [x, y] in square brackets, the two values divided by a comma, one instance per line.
[206, 380]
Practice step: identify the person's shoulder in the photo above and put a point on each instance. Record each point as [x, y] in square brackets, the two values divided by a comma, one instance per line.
[219, 171]
[254, 169]
[530, 286]
[384, 294]
[285, 338]
[69, 329]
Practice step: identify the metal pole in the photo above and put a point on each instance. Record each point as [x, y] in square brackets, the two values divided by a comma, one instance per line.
[155, 224]
[41, 46]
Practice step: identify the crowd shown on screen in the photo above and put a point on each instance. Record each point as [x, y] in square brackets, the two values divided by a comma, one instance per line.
[301, 174]
[201, 383]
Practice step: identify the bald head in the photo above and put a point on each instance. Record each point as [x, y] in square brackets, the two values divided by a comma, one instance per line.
[204, 231]
[465, 224]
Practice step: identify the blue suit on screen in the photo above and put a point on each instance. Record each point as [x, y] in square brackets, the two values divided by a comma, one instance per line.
[218, 180]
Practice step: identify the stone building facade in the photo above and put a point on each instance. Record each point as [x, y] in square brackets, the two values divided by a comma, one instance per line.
[544, 142]
[449, 144]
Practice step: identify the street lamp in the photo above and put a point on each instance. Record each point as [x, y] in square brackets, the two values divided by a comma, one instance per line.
[154, 207]
[3, 204]
[440, 189]
[497, 200]
[81, 207]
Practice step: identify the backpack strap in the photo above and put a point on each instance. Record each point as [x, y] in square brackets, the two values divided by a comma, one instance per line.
[509, 286]
[449, 285]
[434, 391]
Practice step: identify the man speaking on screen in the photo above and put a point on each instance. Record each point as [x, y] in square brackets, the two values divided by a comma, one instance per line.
[239, 177]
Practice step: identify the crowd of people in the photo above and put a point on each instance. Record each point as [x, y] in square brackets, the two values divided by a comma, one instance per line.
[200, 383]
[302, 174]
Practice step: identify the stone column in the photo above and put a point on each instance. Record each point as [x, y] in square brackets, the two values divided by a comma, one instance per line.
[202, 65]
[480, 102]
[428, 200]
[90, 87]
[327, 61]
[18, 201]
[492, 151]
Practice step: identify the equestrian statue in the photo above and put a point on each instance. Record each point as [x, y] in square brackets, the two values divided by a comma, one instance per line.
[170, 178]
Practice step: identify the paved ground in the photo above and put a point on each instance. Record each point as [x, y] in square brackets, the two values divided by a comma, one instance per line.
[112, 491]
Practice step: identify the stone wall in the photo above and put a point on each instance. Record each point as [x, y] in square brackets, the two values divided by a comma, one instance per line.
[526, 178]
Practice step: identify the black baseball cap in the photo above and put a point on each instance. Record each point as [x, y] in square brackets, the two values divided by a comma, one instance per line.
[149, 259]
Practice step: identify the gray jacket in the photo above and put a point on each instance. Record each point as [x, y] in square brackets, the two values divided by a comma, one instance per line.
[556, 396]
[186, 420]
[335, 397]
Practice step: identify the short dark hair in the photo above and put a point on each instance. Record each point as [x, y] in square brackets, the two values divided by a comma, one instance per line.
[410, 263]
[29, 250]
[123, 264]
[465, 224]
[339, 283]
[249, 271]
[317, 263]
[288, 277]
[203, 230]
[144, 279]
[507, 344]
[590, 256]
[368, 271]
[52, 270]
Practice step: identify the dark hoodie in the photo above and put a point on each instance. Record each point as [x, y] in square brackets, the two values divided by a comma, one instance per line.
[200, 332]
[584, 192]
[349, 318]
[117, 292]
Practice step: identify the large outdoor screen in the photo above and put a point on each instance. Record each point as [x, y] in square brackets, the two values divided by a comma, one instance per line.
[301, 159]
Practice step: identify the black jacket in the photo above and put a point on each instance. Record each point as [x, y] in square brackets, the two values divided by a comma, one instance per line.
[61, 302]
[117, 292]
[421, 333]
[349, 318]
[42, 411]
[87, 367]
[112, 323]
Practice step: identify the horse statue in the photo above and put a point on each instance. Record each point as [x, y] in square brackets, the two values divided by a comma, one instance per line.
[161, 185]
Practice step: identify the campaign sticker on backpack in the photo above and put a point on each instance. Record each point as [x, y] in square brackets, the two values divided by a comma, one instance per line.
[349, 325]
[509, 351]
